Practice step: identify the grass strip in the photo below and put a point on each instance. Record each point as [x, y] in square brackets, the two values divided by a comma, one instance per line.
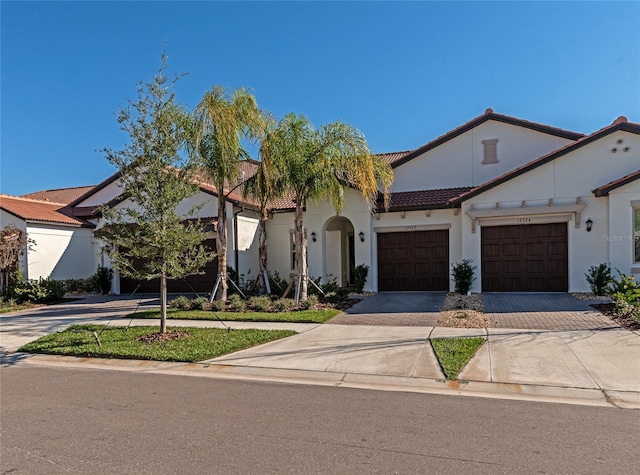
[454, 353]
[118, 342]
[301, 316]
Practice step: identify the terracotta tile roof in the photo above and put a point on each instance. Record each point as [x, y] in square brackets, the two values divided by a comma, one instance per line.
[605, 189]
[488, 115]
[423, 199]
[60, 195]
[619, 124]
[392, 157]
[37, 210]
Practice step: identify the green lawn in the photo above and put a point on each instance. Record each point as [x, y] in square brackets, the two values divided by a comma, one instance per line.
[454, 353]
[118, 342]
[302, 316]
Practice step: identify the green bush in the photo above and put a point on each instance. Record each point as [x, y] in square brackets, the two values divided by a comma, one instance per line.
[200, 303]
[312, 301]
[103, 278]
[260, 303]
[463, 275]
[237, 303]
[218, 306]
[37, 291]
[181, 302]
[278, 284]
[624, 289]
[284, 305]
[359, 275]
[599, 277]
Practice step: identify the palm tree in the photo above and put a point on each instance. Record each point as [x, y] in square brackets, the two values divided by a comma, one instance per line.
[221, 121]
[311, 164]
[263, 187]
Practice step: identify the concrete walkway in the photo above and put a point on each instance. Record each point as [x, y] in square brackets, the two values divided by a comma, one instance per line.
[595, 367]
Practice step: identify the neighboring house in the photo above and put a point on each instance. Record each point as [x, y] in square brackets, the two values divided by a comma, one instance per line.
[63, 247]
[533, 206]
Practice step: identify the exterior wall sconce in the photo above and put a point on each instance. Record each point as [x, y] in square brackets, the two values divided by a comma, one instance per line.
[361, 235]
[589, 224]
[314, 236]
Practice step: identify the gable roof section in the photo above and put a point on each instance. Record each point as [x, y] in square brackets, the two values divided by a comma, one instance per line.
[60, 195]
[100, 186]
[488, 115]
[42, 211]
[620, 124]
[605, 189]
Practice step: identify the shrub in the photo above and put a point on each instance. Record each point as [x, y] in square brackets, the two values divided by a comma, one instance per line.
[237, 303]
[180, 302]
[284, 305]
[599, 277]
[260, 303]
[38, 291]
[312, 301]
[278, 284]
[624, 289]
[463, 275]
[331, 286]
[332, 297]
[103, 277]
[200, 303]
[218, 306]
[359, 275]
[313, 290]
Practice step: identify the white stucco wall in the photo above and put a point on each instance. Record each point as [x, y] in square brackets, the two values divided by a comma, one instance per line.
[618, 236]
[564, 180]
[247, 245]
[458, 162]
[61, 252]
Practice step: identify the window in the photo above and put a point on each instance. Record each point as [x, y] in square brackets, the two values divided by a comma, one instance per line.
[490, 151]
[636, 234]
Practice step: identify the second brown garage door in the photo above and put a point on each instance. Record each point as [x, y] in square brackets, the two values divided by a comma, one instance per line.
[525, 258]
[202, 283]
[417, 260]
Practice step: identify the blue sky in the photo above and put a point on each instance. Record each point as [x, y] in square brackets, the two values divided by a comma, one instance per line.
[402, 72]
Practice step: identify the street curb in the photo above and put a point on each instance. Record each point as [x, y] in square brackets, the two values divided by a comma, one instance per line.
[494, 390]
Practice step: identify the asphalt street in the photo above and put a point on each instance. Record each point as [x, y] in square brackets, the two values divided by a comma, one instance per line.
[66, 420]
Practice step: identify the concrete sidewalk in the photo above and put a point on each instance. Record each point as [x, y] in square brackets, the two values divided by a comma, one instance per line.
[595, 367]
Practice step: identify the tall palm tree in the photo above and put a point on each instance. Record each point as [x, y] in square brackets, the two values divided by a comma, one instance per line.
[264, 186]
[316, 164]
[221, 121]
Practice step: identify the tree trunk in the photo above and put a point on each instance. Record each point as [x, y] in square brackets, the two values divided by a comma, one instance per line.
[163, 303]
[301, 254]
[221, 247]
[262, 251]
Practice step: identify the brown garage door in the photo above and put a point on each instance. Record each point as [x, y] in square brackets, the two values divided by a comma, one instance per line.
[525, 258]
[194, 283]
[417, 260]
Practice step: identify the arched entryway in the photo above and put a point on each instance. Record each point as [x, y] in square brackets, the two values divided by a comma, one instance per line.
[339, 252]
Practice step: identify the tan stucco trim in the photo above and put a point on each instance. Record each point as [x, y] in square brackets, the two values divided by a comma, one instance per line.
[414, 227]
[539, 214]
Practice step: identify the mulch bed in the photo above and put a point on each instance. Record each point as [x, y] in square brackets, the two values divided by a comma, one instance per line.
[166, 336]
[609, 309]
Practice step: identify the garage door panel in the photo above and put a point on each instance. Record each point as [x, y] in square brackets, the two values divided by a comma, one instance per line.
[420, 260]
[525, 258]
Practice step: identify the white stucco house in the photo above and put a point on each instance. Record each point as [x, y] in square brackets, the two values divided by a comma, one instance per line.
[533, 206]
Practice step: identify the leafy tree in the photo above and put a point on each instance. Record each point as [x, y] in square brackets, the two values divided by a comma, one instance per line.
[311, 164]
[13, 242]
[151, 240]
[221, 121]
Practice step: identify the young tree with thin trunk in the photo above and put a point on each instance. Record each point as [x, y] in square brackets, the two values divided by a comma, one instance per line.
[149, 238]
[317, 164]
[13, 243]
[221, 121]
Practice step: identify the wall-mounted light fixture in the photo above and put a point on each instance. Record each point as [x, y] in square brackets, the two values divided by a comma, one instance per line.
[589, 224]
[361, 235]
[314, 237]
